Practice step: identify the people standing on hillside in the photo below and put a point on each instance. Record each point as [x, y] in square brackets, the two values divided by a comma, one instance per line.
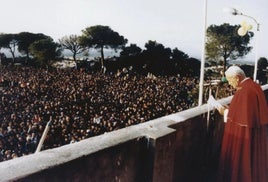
[73, 98]
[244, 152]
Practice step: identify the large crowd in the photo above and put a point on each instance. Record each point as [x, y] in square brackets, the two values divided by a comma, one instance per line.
[81, 104]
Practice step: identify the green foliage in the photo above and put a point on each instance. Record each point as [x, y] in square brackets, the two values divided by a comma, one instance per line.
[2, 56]
[193, 67]
[180, 60]
[224, 43]
[9, 41]
[157, 57]
[262, 70]
[262, 63]
[45, 51]
[179, 55]
[131, 50]
[101, 37]
[72, 44]
[6, 39]
[25, 39]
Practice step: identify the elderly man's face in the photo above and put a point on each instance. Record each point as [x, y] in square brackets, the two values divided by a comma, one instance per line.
[233, 81]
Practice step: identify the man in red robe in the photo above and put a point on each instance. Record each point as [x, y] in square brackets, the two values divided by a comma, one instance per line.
[244, 152]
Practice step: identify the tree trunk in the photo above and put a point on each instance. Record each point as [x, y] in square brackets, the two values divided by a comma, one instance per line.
[224, 65]
[74, 58]
[13, 56]
[102, 59]
[27, 57]
[12, 51]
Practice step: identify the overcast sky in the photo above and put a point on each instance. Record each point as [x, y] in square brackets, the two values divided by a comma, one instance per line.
[173, 23]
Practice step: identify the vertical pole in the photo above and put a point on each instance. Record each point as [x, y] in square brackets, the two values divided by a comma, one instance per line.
[202, 67]
[208, 116]
[256, 53]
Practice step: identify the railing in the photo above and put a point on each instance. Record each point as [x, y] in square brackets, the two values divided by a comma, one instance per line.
[177, 147]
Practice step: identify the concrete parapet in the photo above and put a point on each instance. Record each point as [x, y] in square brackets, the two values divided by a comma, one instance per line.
[177, 147]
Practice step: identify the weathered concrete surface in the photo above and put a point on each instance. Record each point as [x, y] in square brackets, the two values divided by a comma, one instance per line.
[177, 147]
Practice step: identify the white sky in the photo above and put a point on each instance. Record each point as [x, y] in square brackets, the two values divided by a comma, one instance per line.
[173, 23]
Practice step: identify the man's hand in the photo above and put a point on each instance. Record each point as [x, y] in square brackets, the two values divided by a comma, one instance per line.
[222, 109]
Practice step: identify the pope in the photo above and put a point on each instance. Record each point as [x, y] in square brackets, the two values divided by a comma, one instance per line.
[244, 152]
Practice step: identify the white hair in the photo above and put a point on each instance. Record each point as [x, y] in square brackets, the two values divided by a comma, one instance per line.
[234, 71]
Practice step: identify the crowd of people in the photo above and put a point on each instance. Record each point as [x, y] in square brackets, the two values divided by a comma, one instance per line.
[81, 104]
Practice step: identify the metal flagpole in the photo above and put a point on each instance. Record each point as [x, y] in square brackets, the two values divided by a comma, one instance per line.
[256, 53]
[202, 67]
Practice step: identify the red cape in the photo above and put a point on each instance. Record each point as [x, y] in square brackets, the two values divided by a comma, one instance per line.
[244, 153]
